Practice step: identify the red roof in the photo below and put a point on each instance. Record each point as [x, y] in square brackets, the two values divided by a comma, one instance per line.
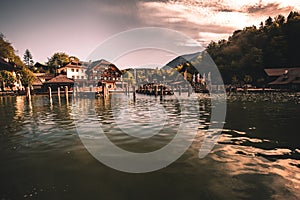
[278, 71]
[289, 75]
[37, 81]
[60, 79]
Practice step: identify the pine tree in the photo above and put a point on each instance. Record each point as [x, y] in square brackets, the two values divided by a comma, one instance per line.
[27, 58]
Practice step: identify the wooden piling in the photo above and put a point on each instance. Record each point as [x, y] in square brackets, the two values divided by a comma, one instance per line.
[58, 92]
[134, 93]
[28, 95]
[161, 92]
[156, 90]
[50, 93]
[179, 90]
[67, 92]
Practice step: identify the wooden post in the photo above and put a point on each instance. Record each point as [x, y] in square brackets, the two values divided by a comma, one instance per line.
[179, 90]
[156, 90]
[58, 95]
[50, 95]
[189, 90]
[58, 92]
[134, 93]
[128, 89]
[50, 92]
[28, 95]
[161, 92]
[67, 92]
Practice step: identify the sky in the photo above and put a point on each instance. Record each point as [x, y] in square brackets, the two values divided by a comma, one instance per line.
[77, 27]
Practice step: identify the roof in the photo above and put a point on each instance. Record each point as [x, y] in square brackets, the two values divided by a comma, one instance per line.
[73, 64]
[279, 71]
[100, 65]
[44, 76]
[290, 75]
[39, 64]
[37, 81]
[60, 79]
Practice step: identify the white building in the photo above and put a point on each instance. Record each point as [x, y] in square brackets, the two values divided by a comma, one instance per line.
[74, 70]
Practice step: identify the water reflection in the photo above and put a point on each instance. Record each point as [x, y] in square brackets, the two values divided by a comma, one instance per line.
[257, 156]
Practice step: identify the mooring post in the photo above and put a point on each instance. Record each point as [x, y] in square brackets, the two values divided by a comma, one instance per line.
[50, 95]
[189, 90]
[77, 91]
[134, 93]
[28, 95]
[161, 92]
[179, 90]
[156, 90]
[58, 92]
[66, 92]
[50, 92]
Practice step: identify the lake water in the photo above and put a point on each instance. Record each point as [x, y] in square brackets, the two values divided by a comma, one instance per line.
[257, 155]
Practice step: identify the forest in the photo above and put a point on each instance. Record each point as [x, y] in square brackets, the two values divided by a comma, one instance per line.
[243, 57]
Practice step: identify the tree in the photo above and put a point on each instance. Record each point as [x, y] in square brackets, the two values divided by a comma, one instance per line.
[6, 79]
[269, 21]
[7, 51]
[27, 58]
[27, 76]
[57, 60]
[247, 79]
[249, 51]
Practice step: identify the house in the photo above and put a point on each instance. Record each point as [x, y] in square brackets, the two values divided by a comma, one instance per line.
[40, 67]
[40, 79]
[102, 72]
[284, 78]
[59, 81]
[74, 70]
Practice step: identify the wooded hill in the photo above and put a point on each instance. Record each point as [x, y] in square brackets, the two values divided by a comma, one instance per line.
[243, 57]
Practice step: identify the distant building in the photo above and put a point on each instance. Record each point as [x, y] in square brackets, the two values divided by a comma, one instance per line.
[74, 70]
[284, 78]
[103, 72]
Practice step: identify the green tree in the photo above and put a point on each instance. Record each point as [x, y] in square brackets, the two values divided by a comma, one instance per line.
[7, 51]
[27, 76]
[7, 79]
[57, 60]
[249, 51]
[27, 58]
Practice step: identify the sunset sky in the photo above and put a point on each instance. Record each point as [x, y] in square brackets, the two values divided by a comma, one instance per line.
[78, 27]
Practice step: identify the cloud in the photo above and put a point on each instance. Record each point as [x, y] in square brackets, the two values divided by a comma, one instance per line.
[268, 9]
[200, 23]
[217, 18]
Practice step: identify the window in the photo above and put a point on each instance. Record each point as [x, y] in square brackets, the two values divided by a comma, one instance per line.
[82, 77]
[77, 70]
[73, 77]
[77, 77]
[72, 70]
